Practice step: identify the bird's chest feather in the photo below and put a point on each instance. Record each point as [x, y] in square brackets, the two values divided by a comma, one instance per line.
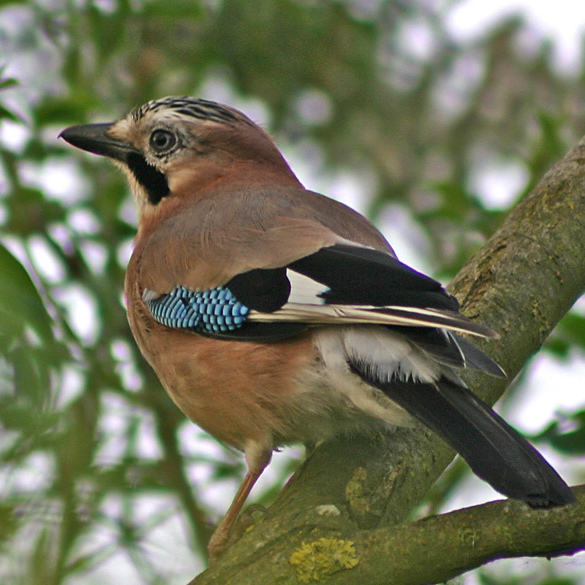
[237, 391]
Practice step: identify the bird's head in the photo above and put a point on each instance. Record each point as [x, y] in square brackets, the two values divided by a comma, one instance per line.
[176, 147]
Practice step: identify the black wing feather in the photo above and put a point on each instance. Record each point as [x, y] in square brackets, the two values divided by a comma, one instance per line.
[354, 276]
[264, 290]
[364, 276]
[350, 275]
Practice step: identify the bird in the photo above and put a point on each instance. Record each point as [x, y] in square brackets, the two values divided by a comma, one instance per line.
[274, 315]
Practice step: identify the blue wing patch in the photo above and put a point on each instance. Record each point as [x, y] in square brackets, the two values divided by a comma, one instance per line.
[211, 311]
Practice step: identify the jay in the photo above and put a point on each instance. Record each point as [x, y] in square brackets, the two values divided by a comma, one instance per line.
[274, 315]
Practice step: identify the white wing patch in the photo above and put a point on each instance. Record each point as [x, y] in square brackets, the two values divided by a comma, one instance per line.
[304, 290]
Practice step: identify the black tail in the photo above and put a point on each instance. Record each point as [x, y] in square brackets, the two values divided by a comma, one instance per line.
[493, 449]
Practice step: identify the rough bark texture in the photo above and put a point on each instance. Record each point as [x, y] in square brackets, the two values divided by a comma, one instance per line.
[342, 518]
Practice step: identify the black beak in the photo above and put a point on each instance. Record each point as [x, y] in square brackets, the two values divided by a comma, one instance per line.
[94, 138]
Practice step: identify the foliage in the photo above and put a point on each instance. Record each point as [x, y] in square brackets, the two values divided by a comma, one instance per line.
[95, 466]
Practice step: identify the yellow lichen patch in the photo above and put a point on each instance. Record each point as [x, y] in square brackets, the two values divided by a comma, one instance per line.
[315, 560]
[355, 492]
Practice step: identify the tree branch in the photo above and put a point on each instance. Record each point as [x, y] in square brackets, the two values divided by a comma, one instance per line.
[427, 551]
[352, 491]
[439, 548]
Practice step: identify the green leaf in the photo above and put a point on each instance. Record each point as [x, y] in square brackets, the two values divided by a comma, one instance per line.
[8, 115]
[8, 522]
[570, 441]
[20, 302]
[573, 326]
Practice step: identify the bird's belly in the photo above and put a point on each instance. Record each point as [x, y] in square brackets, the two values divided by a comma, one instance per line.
[272, 394]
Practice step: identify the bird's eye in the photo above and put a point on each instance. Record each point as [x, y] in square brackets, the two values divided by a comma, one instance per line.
[162, 141]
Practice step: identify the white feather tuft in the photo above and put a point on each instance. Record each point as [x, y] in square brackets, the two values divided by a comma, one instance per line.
[387, 354]
[333, 344]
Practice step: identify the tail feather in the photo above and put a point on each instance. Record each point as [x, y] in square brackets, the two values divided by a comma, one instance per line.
[493, 449]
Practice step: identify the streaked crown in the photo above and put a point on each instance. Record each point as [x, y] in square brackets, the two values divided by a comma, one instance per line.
[186, 108]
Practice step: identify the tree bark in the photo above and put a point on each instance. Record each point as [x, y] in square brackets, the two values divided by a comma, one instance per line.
[343, 516]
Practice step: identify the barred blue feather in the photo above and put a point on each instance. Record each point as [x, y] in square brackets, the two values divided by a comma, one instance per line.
[211, 311]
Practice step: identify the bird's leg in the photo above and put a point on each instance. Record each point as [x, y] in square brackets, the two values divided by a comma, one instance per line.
[219, 539]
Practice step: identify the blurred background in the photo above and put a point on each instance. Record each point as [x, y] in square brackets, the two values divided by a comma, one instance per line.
[431, 117]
